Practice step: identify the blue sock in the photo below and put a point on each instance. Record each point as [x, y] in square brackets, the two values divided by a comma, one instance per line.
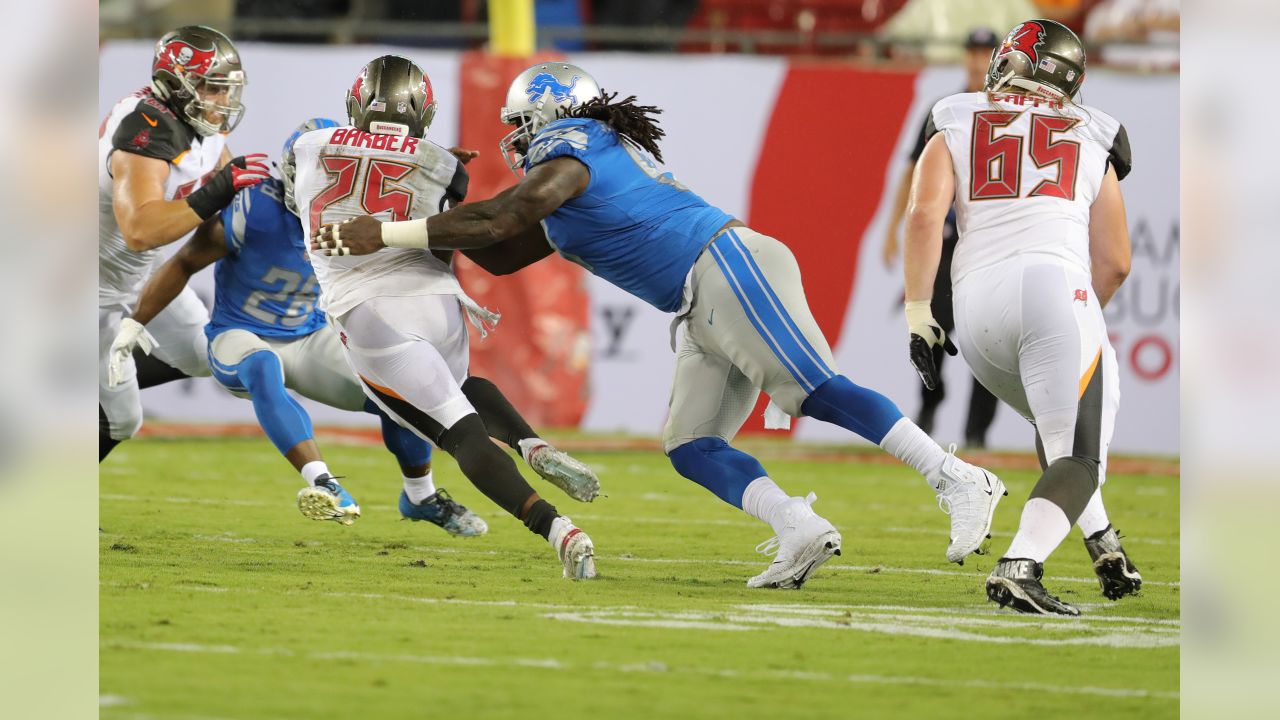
[409, 449]
[714, 465]
[281, 417]
[857, 409]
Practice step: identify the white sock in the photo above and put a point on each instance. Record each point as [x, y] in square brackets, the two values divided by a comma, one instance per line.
[1043, 528]
[907, 442]
[763, 500]
[559, 527]
[313, 470]
[419, 488]
[1094, 518]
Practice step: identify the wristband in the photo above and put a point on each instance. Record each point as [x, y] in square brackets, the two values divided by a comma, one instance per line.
[919, 312]
[405, 234]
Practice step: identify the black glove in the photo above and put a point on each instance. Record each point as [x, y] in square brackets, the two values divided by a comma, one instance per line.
[242, 172]
[927, 356]
[928, 342]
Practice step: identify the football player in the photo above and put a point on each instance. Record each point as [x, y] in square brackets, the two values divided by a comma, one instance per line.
[266, 335]
[163, 169]
[592, 191]
[1043, 247]
[401, 312]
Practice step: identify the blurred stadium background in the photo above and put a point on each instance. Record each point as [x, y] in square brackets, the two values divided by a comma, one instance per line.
[795, 115]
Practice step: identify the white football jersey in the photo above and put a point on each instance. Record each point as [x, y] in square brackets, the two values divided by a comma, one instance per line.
[1027, 172]
[345, 172]
[143, 125]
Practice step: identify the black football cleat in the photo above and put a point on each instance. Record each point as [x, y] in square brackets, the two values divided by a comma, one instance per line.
[1116, 573]
[1015, 582]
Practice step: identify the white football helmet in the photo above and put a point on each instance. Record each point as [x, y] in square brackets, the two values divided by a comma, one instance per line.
[538, 96]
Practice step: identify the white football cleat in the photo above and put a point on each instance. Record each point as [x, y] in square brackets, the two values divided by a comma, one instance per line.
[561, 469]
[969, 494]
[805, 541]
[574, 548]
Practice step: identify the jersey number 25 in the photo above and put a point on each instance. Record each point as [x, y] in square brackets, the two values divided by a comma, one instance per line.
[375, 194]
[996, 171]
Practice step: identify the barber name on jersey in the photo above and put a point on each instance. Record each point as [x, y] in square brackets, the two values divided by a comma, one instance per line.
[355, 137]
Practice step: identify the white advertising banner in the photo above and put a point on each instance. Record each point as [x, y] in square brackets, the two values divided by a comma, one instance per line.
[721, 114]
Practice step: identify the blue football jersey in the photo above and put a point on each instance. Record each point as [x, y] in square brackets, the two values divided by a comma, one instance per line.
[265, 283]
[634, 226]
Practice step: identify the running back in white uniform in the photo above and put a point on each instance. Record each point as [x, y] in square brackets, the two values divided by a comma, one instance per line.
[1028, 322]
[399, 311]
[143, 125]
[344, 173]
[1027, 171]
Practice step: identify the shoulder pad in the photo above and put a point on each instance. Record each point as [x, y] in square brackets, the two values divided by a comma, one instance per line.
[152, 130]
[569, 136]
[1120, 156]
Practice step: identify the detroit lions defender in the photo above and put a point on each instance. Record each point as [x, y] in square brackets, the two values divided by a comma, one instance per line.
[163, 169]
[401, 312]
[1043, 247]
[592, 183]
[266, 335]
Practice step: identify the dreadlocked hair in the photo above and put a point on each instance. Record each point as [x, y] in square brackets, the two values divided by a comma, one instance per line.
[632, 121]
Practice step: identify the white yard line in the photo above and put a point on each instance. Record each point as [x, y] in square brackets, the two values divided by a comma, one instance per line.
[651, 666]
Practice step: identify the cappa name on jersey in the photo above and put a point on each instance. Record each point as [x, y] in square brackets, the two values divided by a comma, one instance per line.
[355, 137]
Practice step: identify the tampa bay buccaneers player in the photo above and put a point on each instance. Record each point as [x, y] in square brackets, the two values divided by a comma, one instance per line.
[163, 169]
[1043, 246]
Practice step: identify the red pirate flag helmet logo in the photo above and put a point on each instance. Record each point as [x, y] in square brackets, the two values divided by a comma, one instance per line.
[179, 57]
[1024, 39]
[357, 87]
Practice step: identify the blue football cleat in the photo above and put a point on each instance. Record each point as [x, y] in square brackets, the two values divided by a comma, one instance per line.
[442, 510]
[328, 500]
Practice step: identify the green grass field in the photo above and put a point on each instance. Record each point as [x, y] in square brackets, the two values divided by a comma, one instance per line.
[218, 600]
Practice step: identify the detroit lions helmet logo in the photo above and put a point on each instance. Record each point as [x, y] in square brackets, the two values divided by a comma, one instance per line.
[546, 82]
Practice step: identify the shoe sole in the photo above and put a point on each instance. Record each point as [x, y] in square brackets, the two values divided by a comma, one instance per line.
[1018, 599]
[570, 480]
[998, 493]
[822, 549]
[319, 505]
[1114, 576]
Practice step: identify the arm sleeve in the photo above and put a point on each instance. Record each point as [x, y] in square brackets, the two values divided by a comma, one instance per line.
[1120, 156]
[151, 132]
[561, 139]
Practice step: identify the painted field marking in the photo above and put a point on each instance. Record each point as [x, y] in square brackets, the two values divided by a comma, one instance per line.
[651, 666]
[965, 623]
[958, 626]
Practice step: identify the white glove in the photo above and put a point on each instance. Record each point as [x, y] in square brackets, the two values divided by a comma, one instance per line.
[132, 334]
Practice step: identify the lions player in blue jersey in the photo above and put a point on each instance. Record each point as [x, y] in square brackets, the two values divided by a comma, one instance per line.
[266, 335]
[593, 192]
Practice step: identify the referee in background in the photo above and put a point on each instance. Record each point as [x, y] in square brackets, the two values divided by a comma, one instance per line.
[982, 404]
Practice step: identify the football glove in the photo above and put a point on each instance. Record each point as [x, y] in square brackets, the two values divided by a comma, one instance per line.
[242, 172]
[928, 341]
[132, 334]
